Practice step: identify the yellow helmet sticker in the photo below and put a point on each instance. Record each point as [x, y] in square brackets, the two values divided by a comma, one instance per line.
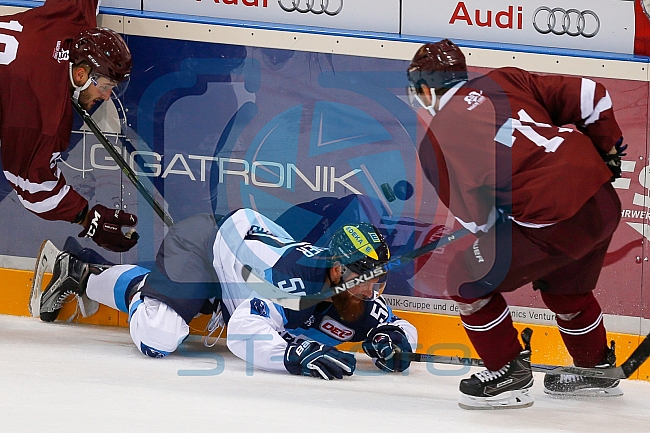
[360, 242]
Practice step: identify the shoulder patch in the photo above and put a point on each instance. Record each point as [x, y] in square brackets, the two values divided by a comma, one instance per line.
[259, 308]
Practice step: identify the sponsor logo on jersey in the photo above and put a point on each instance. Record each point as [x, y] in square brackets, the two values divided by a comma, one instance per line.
[360, 241]
[335, 329]
[474, 99]
[60, 55]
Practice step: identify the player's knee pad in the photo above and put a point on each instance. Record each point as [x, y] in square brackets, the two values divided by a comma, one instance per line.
[567, 307]
[156, 329]
[471, 306]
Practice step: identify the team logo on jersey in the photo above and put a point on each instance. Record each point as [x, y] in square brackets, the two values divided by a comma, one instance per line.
[335, 329]
[60, 55]
[153, 353]
[360, 241]
[259, 308]
[474, 99]
[257, 230]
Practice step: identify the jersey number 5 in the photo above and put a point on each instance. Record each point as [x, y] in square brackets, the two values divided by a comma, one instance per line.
[10, 43]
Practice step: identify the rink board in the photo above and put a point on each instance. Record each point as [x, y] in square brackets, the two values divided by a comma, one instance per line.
[438, 334]
[227, 113]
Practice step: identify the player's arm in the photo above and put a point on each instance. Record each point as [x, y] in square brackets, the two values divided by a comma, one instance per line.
[389, 338]
[254, 336]
[581, 102]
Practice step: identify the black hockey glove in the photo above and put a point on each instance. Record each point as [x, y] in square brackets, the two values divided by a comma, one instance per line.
[310, 358]
[613, 160]
[385, 343]
[104, 226]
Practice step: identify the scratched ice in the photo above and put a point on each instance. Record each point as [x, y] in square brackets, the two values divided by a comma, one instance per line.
[79, 378]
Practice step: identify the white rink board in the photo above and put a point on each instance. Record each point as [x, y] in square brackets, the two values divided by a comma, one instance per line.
[126, 4]
[503, 21]
[361, 15]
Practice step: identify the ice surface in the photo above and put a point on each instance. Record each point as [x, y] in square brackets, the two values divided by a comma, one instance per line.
[80, 378]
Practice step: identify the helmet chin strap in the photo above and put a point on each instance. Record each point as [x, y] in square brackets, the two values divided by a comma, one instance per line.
[77, 89]
[430, 108]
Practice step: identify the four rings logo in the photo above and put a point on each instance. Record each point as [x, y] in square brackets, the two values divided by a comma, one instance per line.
[571, 22]
[314, 6]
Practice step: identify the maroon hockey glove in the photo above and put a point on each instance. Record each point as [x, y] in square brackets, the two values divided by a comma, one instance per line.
[104, 226]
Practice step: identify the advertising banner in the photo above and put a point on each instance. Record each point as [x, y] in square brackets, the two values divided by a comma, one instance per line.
[359, 15]
[604, 25]
[311, 140]
[125, 4]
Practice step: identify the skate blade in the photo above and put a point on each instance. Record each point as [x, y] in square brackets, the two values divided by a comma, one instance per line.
[587, 392]
[518, 399]
[44, 264]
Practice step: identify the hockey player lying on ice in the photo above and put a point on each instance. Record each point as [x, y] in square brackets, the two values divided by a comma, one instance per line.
[539, 199]
[199, 270]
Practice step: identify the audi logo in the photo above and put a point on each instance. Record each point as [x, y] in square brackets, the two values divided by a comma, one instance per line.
[571, 22]
[313, 6]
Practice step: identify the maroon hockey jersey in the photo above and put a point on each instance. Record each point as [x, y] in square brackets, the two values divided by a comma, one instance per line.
[35, 106]
[500, 143]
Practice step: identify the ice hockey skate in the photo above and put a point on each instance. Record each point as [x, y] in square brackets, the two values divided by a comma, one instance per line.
[69, 277]
[506, 388]
[571, 385]
[47, 254]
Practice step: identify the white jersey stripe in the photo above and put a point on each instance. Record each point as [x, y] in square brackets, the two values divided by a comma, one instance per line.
[488, 326]
[605, 103]
[587, 95]
[46, 205]
[31, 187]
[584, 330]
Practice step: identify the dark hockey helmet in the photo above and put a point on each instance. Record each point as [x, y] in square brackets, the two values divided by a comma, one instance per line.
[105, 51]
[438, 65]
[359, 247]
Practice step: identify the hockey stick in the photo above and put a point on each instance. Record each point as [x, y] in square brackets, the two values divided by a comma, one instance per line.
[294, 302]
[624, 371]
[613, 373]
[126, 169]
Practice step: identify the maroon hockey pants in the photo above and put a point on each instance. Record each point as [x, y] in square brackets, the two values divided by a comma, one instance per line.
[563, 261]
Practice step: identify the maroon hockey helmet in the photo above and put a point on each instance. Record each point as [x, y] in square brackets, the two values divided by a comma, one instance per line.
[105, 51]
[438, 65]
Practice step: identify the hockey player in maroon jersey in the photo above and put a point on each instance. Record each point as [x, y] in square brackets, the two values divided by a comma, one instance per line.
[48, 55]
[539, 199]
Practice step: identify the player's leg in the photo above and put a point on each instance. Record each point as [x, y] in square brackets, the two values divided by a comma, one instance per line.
[508, 377]
[488, 324]
[156, 329]
[580, 322]
[108, 285]
[116, 286]
[567, 292]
